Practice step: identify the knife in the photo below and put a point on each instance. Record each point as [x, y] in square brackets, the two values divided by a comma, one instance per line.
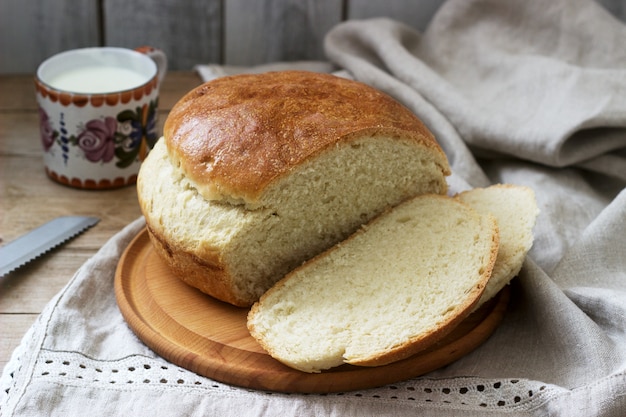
[40, 240]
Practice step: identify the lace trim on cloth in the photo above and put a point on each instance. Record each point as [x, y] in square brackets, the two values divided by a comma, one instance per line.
[461, 393]
[13, 367]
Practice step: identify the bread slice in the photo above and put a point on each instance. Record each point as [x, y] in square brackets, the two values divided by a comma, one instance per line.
[392, 289]
[515, 210]
[257, 173]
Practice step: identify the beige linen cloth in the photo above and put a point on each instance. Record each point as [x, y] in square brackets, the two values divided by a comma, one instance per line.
[518, 91]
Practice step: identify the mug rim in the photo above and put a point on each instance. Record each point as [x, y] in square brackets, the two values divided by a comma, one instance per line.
[130, 52]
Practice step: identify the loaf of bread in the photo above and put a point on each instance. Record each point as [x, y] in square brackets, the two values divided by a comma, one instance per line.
[515, 210]
[394, 288]
[257, 173]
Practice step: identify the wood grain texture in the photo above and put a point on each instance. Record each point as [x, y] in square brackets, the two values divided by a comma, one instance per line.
[277, 30]
[414, 13]
[13, 329]
[210, 337]
[190, 32]
[231, 32]
[31, 31]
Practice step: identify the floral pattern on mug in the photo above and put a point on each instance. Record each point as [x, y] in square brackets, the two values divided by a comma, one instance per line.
[97, 140]
[127, 137]
[48, 135]
[140, 133]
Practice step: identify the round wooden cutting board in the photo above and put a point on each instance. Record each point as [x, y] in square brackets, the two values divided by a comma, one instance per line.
[210, 338]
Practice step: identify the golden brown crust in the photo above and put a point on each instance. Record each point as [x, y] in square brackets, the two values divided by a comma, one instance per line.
[209, 274]
[233, 136]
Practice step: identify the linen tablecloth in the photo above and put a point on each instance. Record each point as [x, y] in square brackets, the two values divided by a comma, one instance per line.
[524, 92]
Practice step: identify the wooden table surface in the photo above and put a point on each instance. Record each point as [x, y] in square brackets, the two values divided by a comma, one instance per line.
[28, 199]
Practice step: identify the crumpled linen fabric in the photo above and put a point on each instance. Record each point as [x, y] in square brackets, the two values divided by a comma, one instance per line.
[541, 82]
[523, 92]
[530, 93]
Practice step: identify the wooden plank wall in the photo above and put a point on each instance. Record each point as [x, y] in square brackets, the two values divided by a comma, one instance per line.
[232, 32]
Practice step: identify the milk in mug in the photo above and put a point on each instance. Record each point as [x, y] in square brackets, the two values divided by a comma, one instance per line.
[97, 79]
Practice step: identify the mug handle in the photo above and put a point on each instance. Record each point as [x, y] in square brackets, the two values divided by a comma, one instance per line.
[159, 58]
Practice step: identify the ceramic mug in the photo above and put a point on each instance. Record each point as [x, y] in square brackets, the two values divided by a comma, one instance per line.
[98, 113]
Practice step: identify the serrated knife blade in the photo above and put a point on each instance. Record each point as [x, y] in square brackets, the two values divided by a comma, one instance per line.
[42, 239]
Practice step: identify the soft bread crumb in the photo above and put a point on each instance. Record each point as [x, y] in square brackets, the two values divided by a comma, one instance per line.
[515, 209]
[390, 290]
